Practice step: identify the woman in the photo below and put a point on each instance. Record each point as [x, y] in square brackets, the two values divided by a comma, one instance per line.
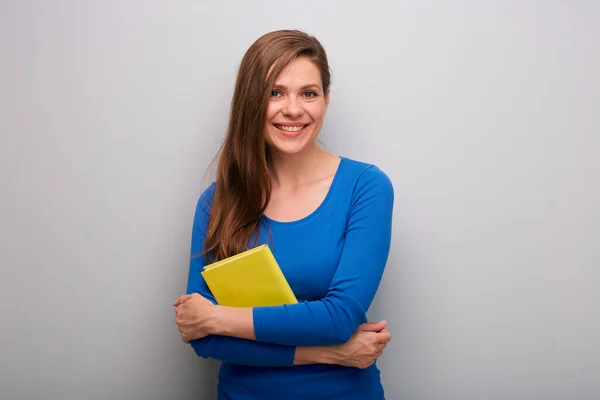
[327, 220]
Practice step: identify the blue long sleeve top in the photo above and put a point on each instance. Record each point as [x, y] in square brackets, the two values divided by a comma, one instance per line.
[333, 259]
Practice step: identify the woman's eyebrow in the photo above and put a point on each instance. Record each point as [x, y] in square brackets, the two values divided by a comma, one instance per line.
[309, 86]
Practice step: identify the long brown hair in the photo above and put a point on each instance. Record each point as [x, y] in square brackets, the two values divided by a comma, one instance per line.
[243, 185]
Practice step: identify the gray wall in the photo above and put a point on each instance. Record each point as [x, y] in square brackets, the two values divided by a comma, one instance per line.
[486, 117]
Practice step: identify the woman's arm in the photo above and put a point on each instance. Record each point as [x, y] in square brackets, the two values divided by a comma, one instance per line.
[230, 349]
[333, 319]
[360, 351]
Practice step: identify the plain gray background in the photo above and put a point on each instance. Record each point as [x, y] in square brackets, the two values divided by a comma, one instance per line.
[484, 114]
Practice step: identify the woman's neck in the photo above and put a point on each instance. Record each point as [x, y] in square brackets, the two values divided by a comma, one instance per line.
[293, 170]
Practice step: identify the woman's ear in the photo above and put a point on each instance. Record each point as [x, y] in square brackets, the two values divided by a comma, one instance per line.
[327, 96]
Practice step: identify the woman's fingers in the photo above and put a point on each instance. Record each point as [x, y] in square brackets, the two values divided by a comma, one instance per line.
[181, 300]
[384, 336]
[372, 326]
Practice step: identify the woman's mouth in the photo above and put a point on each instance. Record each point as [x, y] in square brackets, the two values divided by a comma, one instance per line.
[291, 130]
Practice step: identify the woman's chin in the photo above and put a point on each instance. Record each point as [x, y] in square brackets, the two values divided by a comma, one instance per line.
[291, 148]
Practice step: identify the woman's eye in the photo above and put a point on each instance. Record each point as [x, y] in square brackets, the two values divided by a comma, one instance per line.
[275, 93]
[310, 94]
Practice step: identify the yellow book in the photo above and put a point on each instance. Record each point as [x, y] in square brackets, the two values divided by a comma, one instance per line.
[249, 279]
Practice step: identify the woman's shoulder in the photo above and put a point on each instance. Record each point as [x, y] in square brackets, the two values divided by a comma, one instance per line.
[206, 198]
[363, 174]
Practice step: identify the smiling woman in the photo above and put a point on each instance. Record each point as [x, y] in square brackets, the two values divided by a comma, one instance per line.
[327, 220]
[297, 107]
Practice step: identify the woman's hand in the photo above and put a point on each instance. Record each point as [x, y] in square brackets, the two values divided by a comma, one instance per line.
[194, 314]
[364, 347]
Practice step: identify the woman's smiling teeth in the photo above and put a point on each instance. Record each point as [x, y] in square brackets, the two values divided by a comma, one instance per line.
[288, 128]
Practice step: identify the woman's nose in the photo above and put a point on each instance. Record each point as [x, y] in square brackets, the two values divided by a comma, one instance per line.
[293, 108]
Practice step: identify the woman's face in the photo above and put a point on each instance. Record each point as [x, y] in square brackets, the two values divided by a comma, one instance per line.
[296, 108]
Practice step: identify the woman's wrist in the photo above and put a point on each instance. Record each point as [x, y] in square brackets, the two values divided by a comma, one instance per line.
[230, 321]
[212, 324]
[316, 355]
